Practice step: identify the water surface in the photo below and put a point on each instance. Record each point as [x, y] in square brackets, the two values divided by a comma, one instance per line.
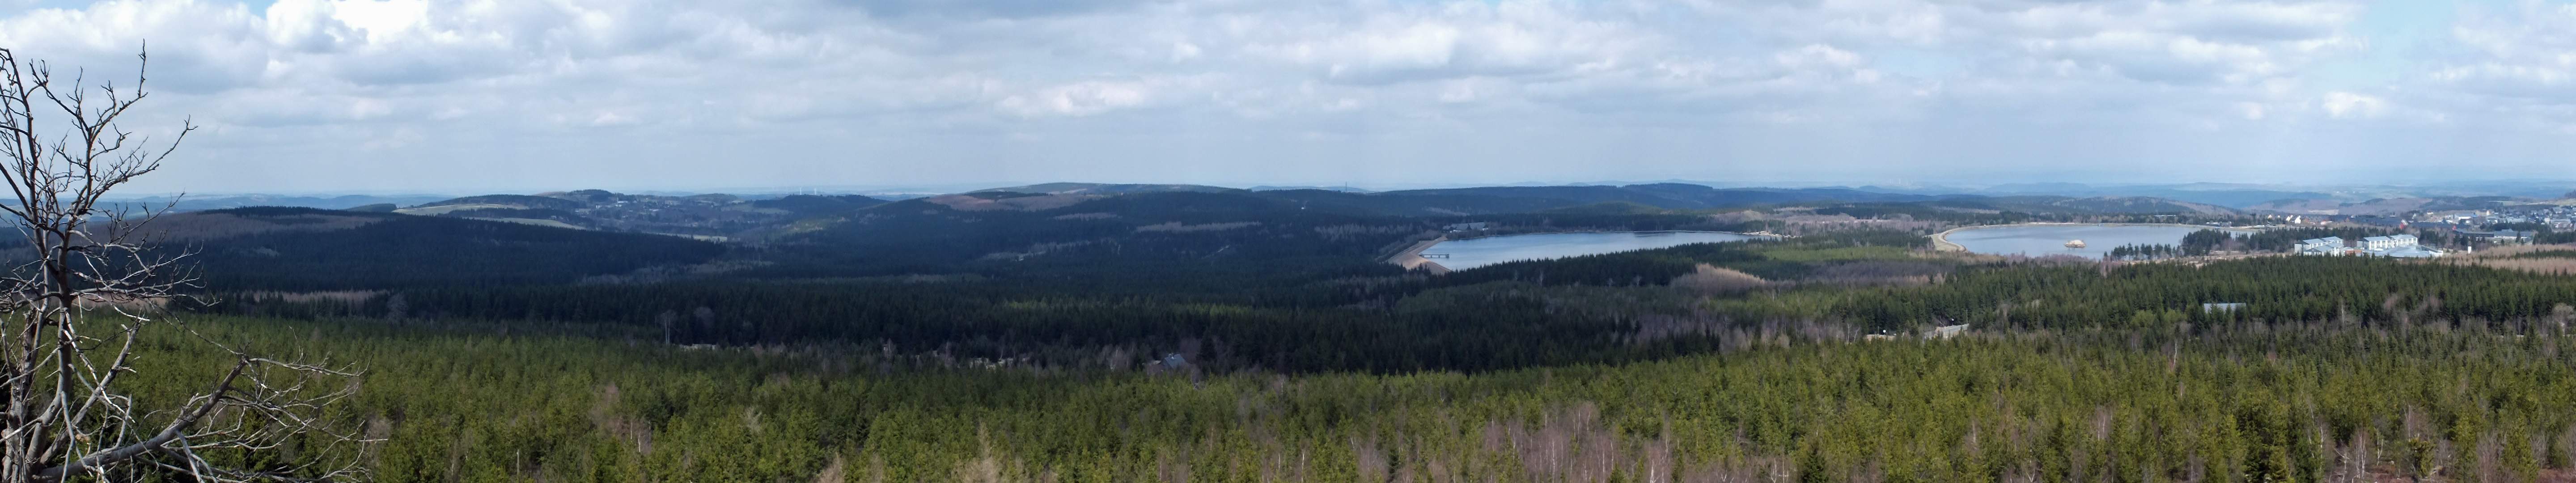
[2044, 240]
[1466, 254]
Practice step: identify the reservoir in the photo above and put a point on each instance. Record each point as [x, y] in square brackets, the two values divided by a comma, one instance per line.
[2045, 240]
[1472, 253]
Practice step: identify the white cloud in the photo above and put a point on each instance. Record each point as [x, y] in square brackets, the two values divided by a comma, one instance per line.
[1079, 99]
[2346, 105]
[861, 91]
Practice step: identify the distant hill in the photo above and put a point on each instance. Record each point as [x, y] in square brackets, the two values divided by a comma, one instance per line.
[1611, 208]
[2261, 197]
[1011, 231]
[2387, 206]
[202, 203]
[714, 215]
[1041, 233]
[2118, 205]
[1078, 226]
[310, 249]
[1105, 189]
[495, 201]
[2230, 195]
[1344, 189]
[817, 205]
[1525, 199]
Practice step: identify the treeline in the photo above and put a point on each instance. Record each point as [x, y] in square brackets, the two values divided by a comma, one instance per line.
[2351, 290]
[2284, 403]
[2145, 251]
[1334, 314]
[1495, 328]
[1318, 316]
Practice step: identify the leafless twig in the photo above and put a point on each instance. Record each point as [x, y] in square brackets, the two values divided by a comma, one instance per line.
[90, 268]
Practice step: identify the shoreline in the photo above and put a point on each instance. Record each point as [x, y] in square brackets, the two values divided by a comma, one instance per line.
[1941, 241]
[1411, 257]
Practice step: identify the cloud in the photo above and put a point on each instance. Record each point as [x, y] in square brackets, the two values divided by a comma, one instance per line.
[2346, 105]
[1448, 41]
[1079, 99]
[987, 9]
[599, 92]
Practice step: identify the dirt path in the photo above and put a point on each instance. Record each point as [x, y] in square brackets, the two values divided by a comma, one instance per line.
[1941, 241]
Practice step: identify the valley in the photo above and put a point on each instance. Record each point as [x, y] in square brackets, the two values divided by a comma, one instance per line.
[1244, 241]
[1174, 334]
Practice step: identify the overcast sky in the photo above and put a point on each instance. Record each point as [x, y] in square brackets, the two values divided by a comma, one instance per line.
[529, 95]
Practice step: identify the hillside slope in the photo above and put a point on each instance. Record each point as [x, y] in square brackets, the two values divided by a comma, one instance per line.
[310, 249]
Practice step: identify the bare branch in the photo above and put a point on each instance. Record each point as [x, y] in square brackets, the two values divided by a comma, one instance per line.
[91, 269]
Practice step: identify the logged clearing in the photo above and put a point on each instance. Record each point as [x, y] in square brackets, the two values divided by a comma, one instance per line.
[1024, 203]
[2543, 259]
[534, 221]
[203, 226]
[445, 209]
[1178, 227]
[1711, 279]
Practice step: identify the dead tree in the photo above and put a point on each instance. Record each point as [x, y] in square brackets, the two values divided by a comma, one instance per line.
[88, 281]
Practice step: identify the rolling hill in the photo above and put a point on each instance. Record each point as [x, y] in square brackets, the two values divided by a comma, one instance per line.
[1105, 189]
[2386, 206]
[279, 248]
[712, 216]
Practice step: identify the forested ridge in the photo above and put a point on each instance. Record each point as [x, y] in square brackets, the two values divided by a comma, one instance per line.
[1100, 332]
[1216, 336]
[384, 250]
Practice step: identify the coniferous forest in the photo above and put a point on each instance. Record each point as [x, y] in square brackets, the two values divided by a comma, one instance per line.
[2175, 275]
[1207, 348]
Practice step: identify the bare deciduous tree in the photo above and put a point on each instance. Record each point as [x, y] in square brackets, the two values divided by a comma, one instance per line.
[86, 283]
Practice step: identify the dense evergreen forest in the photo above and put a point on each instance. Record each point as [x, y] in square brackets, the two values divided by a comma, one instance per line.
[1217, 336]
[304, 249]
[1372, 317]
[2288, 402]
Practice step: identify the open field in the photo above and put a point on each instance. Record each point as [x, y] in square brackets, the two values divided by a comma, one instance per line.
[2542, 259]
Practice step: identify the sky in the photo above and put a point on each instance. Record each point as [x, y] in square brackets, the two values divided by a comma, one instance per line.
[310, 96]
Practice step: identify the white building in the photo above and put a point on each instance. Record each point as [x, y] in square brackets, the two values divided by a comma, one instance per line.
[2321, 246]
[2386, 243]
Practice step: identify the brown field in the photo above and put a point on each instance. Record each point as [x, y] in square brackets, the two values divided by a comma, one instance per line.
[1712, 280]
[2503, 257]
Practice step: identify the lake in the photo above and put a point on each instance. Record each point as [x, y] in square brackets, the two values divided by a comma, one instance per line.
[1472, 253]
[2044, 240]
